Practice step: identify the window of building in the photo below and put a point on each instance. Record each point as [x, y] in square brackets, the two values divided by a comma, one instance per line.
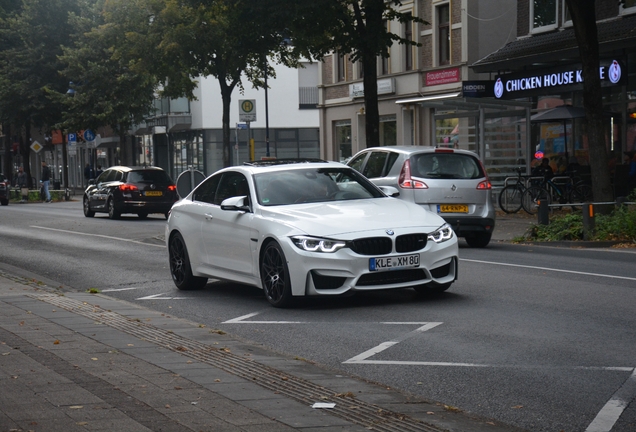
[388, 130]
[342, 129]
[629, 7]
[340, 67]
[443, 34]
[567, 18]
[408, 49]
[543, 15]
[384, 61]
[360, 69]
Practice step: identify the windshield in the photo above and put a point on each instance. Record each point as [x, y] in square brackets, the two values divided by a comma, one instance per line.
[312, 185]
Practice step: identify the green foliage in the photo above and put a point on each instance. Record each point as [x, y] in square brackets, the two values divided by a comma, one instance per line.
[619, 225]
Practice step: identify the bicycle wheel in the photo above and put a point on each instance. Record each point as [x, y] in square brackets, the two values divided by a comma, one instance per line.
[510, 198]
[580, 194]
[531, 198]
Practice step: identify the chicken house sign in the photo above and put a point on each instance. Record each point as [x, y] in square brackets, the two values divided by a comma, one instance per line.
[515, 85]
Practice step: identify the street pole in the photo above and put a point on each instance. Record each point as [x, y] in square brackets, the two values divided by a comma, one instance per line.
[266, 113]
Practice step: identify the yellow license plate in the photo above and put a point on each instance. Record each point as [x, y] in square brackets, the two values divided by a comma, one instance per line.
[154, 193]
[452, 208]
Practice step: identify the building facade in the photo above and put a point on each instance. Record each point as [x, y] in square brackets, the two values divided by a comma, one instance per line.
[542, 68]
[422, 100]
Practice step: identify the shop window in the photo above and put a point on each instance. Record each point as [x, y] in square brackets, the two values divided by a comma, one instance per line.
[443, 34]
[628, 7]
[543, 15]
[342, 130]
[408, 49]
[388, 130]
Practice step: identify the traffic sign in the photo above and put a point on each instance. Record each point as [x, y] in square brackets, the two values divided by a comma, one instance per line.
[36, 146]
[89, 135]
[241, 126]
[72, 137]
[247, 110]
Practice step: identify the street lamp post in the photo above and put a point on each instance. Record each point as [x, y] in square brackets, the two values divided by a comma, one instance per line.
[266, 112]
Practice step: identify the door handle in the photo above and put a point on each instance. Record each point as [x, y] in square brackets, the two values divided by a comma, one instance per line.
[208, 216]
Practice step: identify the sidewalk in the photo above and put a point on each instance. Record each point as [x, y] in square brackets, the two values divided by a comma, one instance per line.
[86, 362]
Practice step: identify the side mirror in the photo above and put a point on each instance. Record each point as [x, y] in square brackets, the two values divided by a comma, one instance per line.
[237, 203]
[390, 191]
[91, 182]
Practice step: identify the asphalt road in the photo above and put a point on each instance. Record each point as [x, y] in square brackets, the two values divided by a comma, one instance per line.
[539, 337]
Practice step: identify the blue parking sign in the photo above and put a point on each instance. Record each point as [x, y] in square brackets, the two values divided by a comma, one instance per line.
[89, 135]
[72, 137]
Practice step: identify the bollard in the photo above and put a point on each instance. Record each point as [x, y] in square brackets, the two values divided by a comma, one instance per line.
[544, 212]
[588, 221]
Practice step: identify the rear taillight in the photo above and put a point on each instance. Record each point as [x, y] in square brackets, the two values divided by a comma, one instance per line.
[126, 187]
[406, 182]
[486, 183]
[172, 188]
[444, 150]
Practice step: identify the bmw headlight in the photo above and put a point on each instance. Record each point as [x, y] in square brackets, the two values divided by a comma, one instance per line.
[317, 244]
[443, 233]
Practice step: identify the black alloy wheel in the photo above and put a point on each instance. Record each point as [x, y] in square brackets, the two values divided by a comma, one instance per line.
[112, 211]
[275, 276]
[180, 267]
[87, 208]
[478, 240]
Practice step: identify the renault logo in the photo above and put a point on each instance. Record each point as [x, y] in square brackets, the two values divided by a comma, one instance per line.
[453, 188]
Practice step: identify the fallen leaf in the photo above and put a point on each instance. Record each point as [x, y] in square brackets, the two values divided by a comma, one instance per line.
[517, 406]
[75, 407]
[167, 406]
[430, 413]
[56, 342]
[94, 358]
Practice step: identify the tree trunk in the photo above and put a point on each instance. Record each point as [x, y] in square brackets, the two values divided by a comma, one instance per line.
[372, 26]
[8, 165]
[25, 151]
[584, 22]
[226, 95]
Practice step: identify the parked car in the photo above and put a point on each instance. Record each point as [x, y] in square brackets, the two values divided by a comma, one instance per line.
[121, 189]
[5, 190]
[311, 228]
[450, 182]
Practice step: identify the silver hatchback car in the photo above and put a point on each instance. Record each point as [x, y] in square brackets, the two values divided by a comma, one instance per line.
[450, 182]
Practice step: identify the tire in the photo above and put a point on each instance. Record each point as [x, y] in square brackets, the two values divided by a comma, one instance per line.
[581, 194]
[532, 196]
[112, 211]
[87, 209]
[275, 276]
[510, 199]
[432, 288]
[478, 240]
[180, 267]
[142, 215]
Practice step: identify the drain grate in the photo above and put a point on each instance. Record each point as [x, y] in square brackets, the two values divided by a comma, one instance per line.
[365, 414]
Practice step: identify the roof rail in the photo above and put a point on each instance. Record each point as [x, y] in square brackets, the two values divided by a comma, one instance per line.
[272, 162]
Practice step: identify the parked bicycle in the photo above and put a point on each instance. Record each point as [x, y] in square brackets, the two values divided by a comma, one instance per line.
[562, 190]
[510, 196]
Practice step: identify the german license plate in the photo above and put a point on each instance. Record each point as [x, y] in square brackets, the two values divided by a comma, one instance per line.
[154, 193]
[394, 263]
[452, 208]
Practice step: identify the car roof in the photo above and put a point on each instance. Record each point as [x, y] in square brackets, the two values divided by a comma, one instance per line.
[409, 150]
[274, 165]
[135, 168]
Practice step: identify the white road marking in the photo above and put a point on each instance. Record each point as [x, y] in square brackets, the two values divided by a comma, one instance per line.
[118, 289]
[158, 297]
[611, 412]
[550, 269]
[98, 235]
[243, 320]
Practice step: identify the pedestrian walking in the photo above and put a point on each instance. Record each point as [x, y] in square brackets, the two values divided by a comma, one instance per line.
[22, 183]
[45, 178]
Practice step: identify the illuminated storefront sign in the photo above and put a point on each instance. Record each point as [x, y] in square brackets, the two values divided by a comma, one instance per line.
[517, 85]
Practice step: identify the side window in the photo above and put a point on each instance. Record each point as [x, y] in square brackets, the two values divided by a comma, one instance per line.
[207, 190]
[358, 162]
[375, 164]
[107, 176]
[118, 176]
[232, 184]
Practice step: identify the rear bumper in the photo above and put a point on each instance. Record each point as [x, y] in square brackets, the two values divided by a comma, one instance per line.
[144, 207]
[469, 225]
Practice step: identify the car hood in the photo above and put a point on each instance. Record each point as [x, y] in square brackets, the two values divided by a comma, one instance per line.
[347, 217]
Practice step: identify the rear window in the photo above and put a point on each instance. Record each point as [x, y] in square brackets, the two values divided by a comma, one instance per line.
[445, 166]
[150, 176]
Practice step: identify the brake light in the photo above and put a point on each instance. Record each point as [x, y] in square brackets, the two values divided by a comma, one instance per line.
[172, 188]
[126, 187]
[485, 185]
[406, 182]
[444, 150]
